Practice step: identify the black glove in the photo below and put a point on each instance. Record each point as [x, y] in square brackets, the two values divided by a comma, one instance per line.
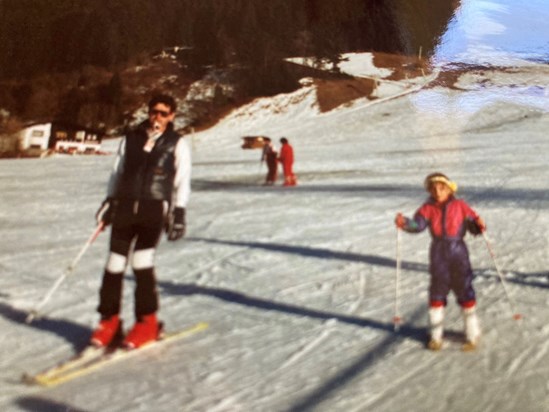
[105, 212]
[176, 224]
[475, 227]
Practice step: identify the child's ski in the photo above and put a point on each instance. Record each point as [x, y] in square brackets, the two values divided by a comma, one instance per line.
[92, 359]
[453, 341]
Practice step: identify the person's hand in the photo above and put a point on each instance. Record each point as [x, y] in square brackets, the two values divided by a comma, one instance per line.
[480, 224]
[476, 226]
[176, 225]
[400, 221]
[105, 212]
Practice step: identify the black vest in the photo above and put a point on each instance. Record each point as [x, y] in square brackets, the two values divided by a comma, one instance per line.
[148, 175]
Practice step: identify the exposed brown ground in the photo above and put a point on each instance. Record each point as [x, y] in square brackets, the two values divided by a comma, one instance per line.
[332, 93]
[335, 93]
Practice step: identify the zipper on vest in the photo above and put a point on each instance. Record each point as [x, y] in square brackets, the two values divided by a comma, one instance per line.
[135, 207]
[443, 218]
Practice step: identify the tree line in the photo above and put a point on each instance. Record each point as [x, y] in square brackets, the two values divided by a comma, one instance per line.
[39, 36]
[61, 59]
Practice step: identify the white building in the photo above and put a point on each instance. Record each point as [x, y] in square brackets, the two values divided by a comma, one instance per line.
[36, 136]
[61, 138]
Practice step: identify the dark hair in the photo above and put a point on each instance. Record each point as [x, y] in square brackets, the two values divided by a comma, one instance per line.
[283, 140]
[164, 99]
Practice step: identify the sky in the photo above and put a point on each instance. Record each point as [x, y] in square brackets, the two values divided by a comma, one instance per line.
[496, 32]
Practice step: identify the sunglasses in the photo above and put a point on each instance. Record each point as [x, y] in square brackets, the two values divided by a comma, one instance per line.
[163, 113]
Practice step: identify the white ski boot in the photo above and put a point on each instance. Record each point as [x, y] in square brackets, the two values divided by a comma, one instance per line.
[472, 329]
[436, 328]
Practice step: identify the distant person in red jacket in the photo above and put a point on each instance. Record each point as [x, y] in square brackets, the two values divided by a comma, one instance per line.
[269, 155]
[287, 159]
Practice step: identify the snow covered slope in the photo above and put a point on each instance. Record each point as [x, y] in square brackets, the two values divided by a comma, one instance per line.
[297, 284]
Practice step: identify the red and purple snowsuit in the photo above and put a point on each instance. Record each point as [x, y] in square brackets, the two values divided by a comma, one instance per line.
[449, 266]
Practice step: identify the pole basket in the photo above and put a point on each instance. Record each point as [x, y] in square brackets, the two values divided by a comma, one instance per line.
[397, 321]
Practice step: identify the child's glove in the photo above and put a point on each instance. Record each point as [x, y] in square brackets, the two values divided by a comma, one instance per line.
[400, 221]
[476, 227]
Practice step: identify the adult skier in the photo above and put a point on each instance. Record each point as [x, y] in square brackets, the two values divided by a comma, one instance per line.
[448, 219]
[148, 192]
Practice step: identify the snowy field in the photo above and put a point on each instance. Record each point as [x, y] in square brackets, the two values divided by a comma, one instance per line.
[298, 284]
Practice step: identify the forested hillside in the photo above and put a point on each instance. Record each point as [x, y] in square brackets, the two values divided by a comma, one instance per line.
[81, 42]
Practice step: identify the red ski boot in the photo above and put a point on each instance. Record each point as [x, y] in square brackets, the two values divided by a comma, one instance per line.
[290, 180]
[145, 330]
[108, 330]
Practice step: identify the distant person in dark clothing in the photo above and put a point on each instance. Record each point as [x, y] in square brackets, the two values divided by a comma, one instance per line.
[270, 157]
[287, 159]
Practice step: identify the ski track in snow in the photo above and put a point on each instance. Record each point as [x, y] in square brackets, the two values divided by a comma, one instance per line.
[233, 400]
[327, 328]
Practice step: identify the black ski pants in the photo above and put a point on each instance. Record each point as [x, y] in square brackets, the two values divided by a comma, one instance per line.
[137, 235]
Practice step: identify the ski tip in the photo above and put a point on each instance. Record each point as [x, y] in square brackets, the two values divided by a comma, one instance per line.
[28, 379]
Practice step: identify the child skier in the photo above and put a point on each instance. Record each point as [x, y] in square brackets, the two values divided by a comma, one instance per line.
[448, 219]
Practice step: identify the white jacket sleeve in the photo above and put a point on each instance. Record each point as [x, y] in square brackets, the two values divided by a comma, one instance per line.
[117, 169]
[182, 181]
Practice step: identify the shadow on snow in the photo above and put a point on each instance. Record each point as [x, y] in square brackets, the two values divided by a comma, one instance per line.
[345, 376]
[36, 403]
[240, 298]
[518, 278]
[373, 355]
[77, 335]
[524, 198]
[320, 253]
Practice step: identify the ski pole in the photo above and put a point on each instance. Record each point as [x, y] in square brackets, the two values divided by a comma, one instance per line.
[516, 315]
[260, 168]
[397, 320]
[36, 311]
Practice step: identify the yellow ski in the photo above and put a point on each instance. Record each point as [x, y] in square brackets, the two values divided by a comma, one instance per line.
[93, 359]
